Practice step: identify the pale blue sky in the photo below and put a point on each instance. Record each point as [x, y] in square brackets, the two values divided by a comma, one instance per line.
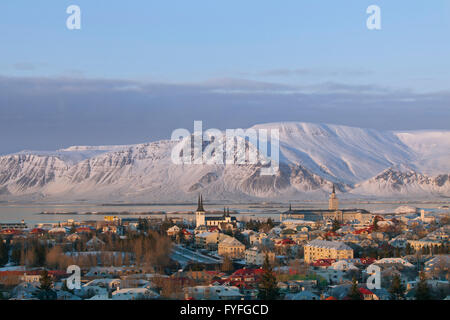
[316, 47]
[185, 41]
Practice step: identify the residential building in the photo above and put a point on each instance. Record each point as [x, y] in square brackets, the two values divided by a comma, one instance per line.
[257, 257]
[173, 231]
[424, 243]
[231, 247]
[209, 240]
[213, 292]
[322, 249]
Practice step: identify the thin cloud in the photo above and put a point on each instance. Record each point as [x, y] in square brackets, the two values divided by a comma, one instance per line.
[24, 66]
[299, 72]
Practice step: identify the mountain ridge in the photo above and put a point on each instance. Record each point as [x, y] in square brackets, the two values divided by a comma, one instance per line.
[313, 157]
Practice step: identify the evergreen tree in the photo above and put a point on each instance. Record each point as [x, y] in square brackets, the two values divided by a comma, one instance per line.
[46, 281]
[180, 237]
[270, 223]
[397, 290]
[253, 225]
[41, 254]
[375, 223]
[336, 225]
[267, 226]
[45, 289]
[3, 253]
[166, 224]
[143, 225]
[422, 291]
[268, 289]
[16, 253]
[354, 293]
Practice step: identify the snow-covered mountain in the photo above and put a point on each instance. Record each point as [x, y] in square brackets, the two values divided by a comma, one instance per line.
[391, 183]
[361, 162]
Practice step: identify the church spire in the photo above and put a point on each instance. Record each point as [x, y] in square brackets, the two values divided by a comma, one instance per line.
[290, 208]
[333, 202]
[200, 204]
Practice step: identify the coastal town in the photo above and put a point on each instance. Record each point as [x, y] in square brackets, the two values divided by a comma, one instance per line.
[317, 254]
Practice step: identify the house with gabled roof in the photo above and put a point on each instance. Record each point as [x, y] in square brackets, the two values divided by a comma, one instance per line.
[322, 249]
[231, 247]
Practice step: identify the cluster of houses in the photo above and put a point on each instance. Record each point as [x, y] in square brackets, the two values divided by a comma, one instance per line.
[334, 245]
[315, 255]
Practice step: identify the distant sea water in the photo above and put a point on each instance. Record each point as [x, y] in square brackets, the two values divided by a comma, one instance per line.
[31, 213]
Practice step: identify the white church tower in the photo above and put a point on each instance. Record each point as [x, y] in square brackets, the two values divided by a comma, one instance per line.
[333, 202]
[200, 213]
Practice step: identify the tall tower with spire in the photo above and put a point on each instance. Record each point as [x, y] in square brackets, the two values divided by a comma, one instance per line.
[333, 202]
[200, 213]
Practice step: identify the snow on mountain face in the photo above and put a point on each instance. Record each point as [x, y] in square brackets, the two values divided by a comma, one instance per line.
[146, 172]
[392, 183]
[312, 158]
[75, 154]
[25, 173]
[426, 175]
[432, 149]
[340, 153]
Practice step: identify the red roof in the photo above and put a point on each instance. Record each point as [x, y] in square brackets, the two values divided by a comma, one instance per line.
[285, 242]
[38, 231]
[331, 298]
[57, 273]
[185, 232]
[247, 272]
[365, 291]
[245, 276]
[10, 231]
[83, 229]
[368, 230]
[332, 234]
[367, 261]
[323, 262]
